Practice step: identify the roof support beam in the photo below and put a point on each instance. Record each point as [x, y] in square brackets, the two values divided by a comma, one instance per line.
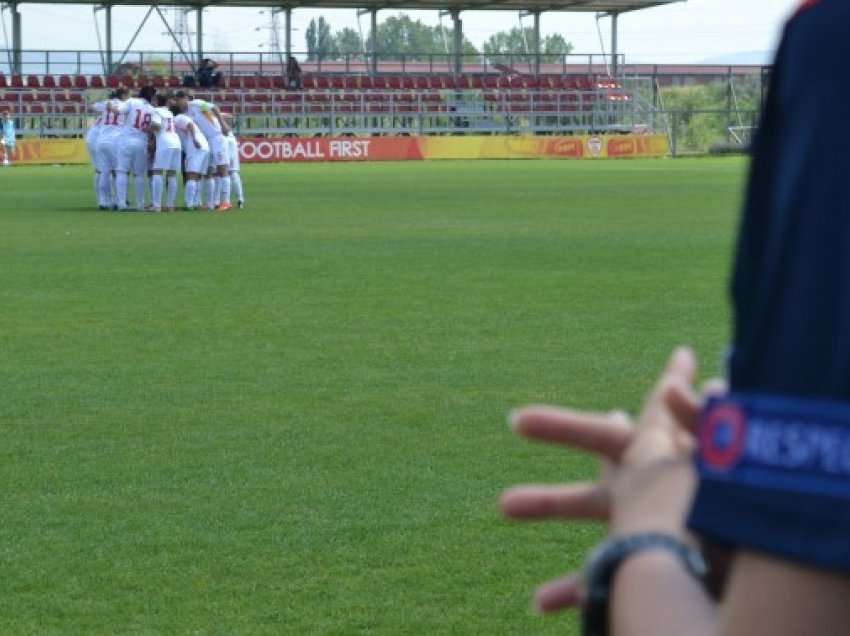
[133, 39]
[17, 62]
[199, 32]
[614, 43]
[107, 18]
[287, 27]
[458, 33]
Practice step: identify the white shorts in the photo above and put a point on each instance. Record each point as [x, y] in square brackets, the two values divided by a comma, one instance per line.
[218, 152]
[167, 159]
[133, 155]
[232, 154]
[198, 161]
[91, 146]
[107, 156]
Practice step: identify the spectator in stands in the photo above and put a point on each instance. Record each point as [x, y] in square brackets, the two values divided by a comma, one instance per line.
[207, 75]
[771, 480]
[293, 74]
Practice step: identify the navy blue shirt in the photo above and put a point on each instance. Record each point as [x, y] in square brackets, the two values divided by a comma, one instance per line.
[791, 286]
[774, 458]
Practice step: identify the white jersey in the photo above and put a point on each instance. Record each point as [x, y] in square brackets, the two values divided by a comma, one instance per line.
[167, 135]
[94, 131]
[201, 113]
[110, 125]
[185, 127]
[137, 118]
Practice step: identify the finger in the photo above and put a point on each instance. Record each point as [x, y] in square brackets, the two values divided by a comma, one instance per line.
[559, 594]
[606, 435]
[576, 501]
[682, 363]
[683, 403]
[678, 374]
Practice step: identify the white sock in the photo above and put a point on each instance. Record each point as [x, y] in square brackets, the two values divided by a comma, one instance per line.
[212, 192]
[140, 192]
[156, 191]
[122, 181]
[171, 193]
[190, 193]
[224, 189]
[236, 184]
[104, 189]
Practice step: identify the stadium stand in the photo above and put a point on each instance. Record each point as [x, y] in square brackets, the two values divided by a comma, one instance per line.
[392, 104]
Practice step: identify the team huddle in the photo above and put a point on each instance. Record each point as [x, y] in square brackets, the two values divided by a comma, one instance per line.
[153, 137]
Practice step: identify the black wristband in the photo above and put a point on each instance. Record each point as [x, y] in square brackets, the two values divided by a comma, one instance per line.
[604, 562]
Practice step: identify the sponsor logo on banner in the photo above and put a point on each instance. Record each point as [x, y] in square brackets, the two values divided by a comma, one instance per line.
[281, 150]
[622, 147]
[594, 146]
[565, 147]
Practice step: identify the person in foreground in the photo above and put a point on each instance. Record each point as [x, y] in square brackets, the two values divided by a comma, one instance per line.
[759, 473]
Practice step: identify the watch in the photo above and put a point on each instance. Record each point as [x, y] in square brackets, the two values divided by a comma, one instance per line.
[606, 559]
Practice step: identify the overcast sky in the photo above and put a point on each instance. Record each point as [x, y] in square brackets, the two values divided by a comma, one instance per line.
[683, 32]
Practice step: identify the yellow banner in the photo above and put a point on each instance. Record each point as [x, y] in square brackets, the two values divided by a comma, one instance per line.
[70, 151]
[35, 151]
[539, 147]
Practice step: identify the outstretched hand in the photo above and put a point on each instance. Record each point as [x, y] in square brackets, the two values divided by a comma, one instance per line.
[647, 478]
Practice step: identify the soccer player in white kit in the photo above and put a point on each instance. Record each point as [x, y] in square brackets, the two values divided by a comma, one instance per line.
[107, 148]
[232, 146]
[133, 146]
[197, 152]
[91, 146]
[167, 156]
[207, 118]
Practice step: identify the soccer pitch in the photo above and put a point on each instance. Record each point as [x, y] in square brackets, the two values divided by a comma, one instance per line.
[292, 419]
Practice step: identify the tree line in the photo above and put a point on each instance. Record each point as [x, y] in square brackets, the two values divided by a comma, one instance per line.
[416, 41]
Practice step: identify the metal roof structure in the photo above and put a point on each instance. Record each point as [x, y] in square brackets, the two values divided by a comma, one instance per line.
[454, 8]
[583, 6]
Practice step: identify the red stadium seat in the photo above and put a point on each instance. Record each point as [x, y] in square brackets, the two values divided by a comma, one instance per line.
[278, 83]
[421, 83]
[337, 83]
[408, 83]
[17, 82]
[158, 81]
[69, 109]
[394, 82]
[366, 83]
[450, 82]
[3, 83]
[379, 83]
[350, 84]
[37, 109]
[308, 83]
[32, 81]
[128, 82]
[96, 81]
[112, 82]
[143, 80]
[65, 81]
[322, 83]
[544, 82]
[249, 82]
[48, 82]
[435, 82]
[264, 83]
[173, 82]
[234, 82]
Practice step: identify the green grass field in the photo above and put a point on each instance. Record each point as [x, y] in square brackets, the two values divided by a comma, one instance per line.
[292, 419]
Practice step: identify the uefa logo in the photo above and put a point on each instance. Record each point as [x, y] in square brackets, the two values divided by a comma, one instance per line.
[722, 437]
